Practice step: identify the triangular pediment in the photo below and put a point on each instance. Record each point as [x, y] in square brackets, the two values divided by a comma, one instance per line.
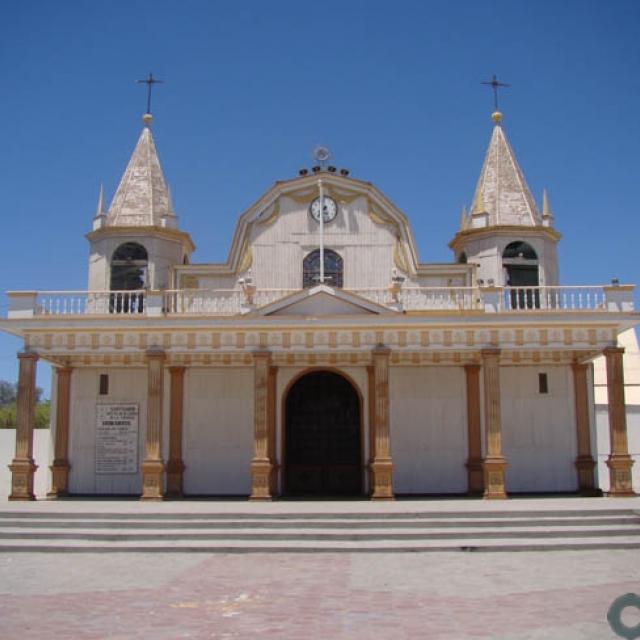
[322, 301]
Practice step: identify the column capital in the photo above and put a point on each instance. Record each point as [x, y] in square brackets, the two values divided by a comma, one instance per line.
[472, 367]
[155, 354]
[28, 355]
[381, 350]
[490, 352]
[613, 351]
[579, 366]
[261, 354]
[65, 370]
[177, 370]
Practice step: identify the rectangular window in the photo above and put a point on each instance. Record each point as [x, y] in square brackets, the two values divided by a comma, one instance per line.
[104, 384]
[543, 383]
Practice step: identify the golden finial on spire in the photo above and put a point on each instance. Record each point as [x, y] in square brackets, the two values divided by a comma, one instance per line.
[147, 118]
[496, 116]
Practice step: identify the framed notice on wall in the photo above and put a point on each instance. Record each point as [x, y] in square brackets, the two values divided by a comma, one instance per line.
[117, 438]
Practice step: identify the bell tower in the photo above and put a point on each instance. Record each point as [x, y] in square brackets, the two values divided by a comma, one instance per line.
[135, 243]
[504, 234]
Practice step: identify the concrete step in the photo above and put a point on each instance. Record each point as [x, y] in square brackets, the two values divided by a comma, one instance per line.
[39, 512]
[330, 531]
[140, 522]
[343, 534]
[385, 546]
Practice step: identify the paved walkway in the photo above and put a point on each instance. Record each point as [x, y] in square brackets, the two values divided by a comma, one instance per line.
[549, 595]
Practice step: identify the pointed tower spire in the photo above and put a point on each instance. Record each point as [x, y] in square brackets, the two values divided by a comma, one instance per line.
[100, 218]
[502, 192]
[464, 218]
[142, 197]
[547, 216]
[100, 207]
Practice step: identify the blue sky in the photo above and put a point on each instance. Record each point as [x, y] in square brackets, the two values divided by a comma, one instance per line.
[393, 88]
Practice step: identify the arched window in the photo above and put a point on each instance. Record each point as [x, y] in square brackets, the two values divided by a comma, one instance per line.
[462, 258]
[519, 250]
[128, 273]
[520, 265]
[332, 269]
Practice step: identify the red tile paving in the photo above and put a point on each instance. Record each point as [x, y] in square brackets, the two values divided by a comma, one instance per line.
[300, 596]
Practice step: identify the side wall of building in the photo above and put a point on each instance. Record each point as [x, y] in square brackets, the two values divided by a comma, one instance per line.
[428, 429]
[126, 385]
[538, 429]
[218, 431]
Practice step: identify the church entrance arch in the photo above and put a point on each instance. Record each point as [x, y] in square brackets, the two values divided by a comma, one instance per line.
[323, 441]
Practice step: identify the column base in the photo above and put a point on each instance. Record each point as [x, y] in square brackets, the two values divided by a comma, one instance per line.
[585, 466]
[175, 472]
[620, 476]
[475, 476]
[261, 471]
[382, 480]
[22, 472]
[59, 479]
[152, 480]
[494, 482]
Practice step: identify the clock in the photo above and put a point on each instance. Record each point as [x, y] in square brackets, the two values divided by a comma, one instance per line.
[330, 209]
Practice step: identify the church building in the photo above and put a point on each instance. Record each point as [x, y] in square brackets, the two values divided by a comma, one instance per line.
[323, 358]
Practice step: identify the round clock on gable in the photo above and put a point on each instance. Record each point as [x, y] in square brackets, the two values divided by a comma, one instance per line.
[330, 209]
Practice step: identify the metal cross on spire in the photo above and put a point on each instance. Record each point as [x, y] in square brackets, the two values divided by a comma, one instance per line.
[495, 85]
[150, 81]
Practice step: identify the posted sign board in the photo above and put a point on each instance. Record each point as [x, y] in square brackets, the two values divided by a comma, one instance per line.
[117, 438]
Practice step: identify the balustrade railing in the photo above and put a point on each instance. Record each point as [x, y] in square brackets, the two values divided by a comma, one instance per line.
[219, 301]
[554, 298]
[56, 303]
[23, 304]
[426, 298]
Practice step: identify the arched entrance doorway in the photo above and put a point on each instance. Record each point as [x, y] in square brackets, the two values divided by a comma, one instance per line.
[323, 446]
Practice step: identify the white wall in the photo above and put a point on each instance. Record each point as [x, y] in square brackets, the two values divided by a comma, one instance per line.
[538, 430]
[218, 431]
[428, 429]
[125, 385]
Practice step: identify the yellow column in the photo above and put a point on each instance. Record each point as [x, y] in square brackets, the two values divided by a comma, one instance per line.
[153, 467]
[261, 467]
[60, 467]
[175, 464]
[273, 482]
[619, 461]
[584, 462]
[494, 462]
[474, 436]
[22, 467]
[382, 464]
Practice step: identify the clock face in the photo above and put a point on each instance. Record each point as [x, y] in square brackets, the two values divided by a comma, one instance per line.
[330, 209]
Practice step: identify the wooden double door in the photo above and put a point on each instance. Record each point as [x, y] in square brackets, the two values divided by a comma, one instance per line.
[323, 442]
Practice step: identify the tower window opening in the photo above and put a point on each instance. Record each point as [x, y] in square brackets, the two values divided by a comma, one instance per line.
[129, 265]
[521, 273]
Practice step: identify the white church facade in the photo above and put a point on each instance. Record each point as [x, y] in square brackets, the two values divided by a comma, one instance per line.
[323, 358]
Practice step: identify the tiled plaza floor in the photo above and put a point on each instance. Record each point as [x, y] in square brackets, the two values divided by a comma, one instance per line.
[303, 596]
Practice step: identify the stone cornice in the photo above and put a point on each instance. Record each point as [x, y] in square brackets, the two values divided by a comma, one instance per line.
[504, 230]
